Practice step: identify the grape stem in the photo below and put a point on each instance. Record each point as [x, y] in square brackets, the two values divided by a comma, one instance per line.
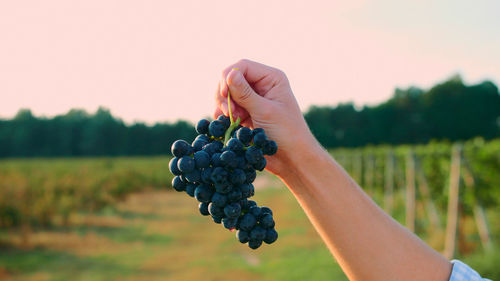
[233, 123]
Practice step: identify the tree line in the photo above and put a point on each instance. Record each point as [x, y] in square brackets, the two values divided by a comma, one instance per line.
[448, 111]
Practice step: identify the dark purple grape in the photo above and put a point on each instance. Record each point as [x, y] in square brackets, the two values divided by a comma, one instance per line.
[232, 210]
[244, 134]
[177, 184]
[202, 126]
[203, 207]
[254, 244]
[186, 164]
[260, 139]
[181, 148]
[243, 236]
[217, 129]
[271, 236]
[172, 165]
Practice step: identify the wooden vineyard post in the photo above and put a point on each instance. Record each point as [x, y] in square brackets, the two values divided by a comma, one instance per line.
[389, 183]
[357, 167]
[369, 174]
[479, 216]
[410, 191]
[453, 197]
[423, 188]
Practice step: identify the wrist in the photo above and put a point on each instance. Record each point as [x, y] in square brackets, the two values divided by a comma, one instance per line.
[305, 160]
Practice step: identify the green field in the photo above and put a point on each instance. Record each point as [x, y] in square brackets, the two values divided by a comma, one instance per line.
[160, 235]
[118, 219]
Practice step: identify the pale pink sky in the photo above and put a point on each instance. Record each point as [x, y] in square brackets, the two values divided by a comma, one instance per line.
[161, 60]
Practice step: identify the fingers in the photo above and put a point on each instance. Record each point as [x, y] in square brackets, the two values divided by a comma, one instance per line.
[253, 71]
[242, 93]
[222, 107]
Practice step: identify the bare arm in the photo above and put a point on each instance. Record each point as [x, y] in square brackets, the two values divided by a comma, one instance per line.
[367, 243]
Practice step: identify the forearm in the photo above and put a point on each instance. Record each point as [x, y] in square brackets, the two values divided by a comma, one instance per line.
[367, 243]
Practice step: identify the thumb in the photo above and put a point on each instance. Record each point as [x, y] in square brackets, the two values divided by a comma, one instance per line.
[242, 93]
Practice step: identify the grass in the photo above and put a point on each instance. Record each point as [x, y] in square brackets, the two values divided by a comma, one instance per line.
[159, 235]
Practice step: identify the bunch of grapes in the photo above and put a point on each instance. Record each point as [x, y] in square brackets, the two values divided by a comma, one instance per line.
[218, 169]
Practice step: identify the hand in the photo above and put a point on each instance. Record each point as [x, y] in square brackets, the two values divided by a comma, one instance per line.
[261, 96]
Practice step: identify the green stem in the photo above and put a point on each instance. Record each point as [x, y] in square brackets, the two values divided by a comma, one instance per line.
[229, 106]
[233, 123]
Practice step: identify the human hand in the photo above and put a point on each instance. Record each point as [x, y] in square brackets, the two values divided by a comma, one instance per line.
[261, 96]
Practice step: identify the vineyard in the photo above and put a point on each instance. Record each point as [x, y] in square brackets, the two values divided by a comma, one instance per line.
[448, 194]
[441, 191]
[39, 193]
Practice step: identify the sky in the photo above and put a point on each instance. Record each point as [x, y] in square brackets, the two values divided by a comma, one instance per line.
[150, 61]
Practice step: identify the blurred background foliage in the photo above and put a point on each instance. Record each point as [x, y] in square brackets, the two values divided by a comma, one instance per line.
[449, 111]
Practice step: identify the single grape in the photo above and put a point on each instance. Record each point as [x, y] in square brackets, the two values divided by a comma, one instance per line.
[271, 236]
[215, 210]
[203, 138]
[270, 148]
[266, 221]
[253, 155]
[172, 165]
[254, 244]
[255, 211]
[266, 210]
[194, 176]
[181, 148]
[260, 139]
[258, 233]
[232, 210]
[237, 177]
[186, 164]
[247, 222]
[244, 135]
[201, 159]
[256, 131]
[216, 219]
[261, 164]
[228, 159]
[250, 175]
[242, 236]
[203, 193]
[177, 184]
[203, 207]
[190, 189]
[235, 145]
[217, 129]
[219, 200]
[198, 144]
[202, 126]
[225, 120]
[230, 223]
[251, 203]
